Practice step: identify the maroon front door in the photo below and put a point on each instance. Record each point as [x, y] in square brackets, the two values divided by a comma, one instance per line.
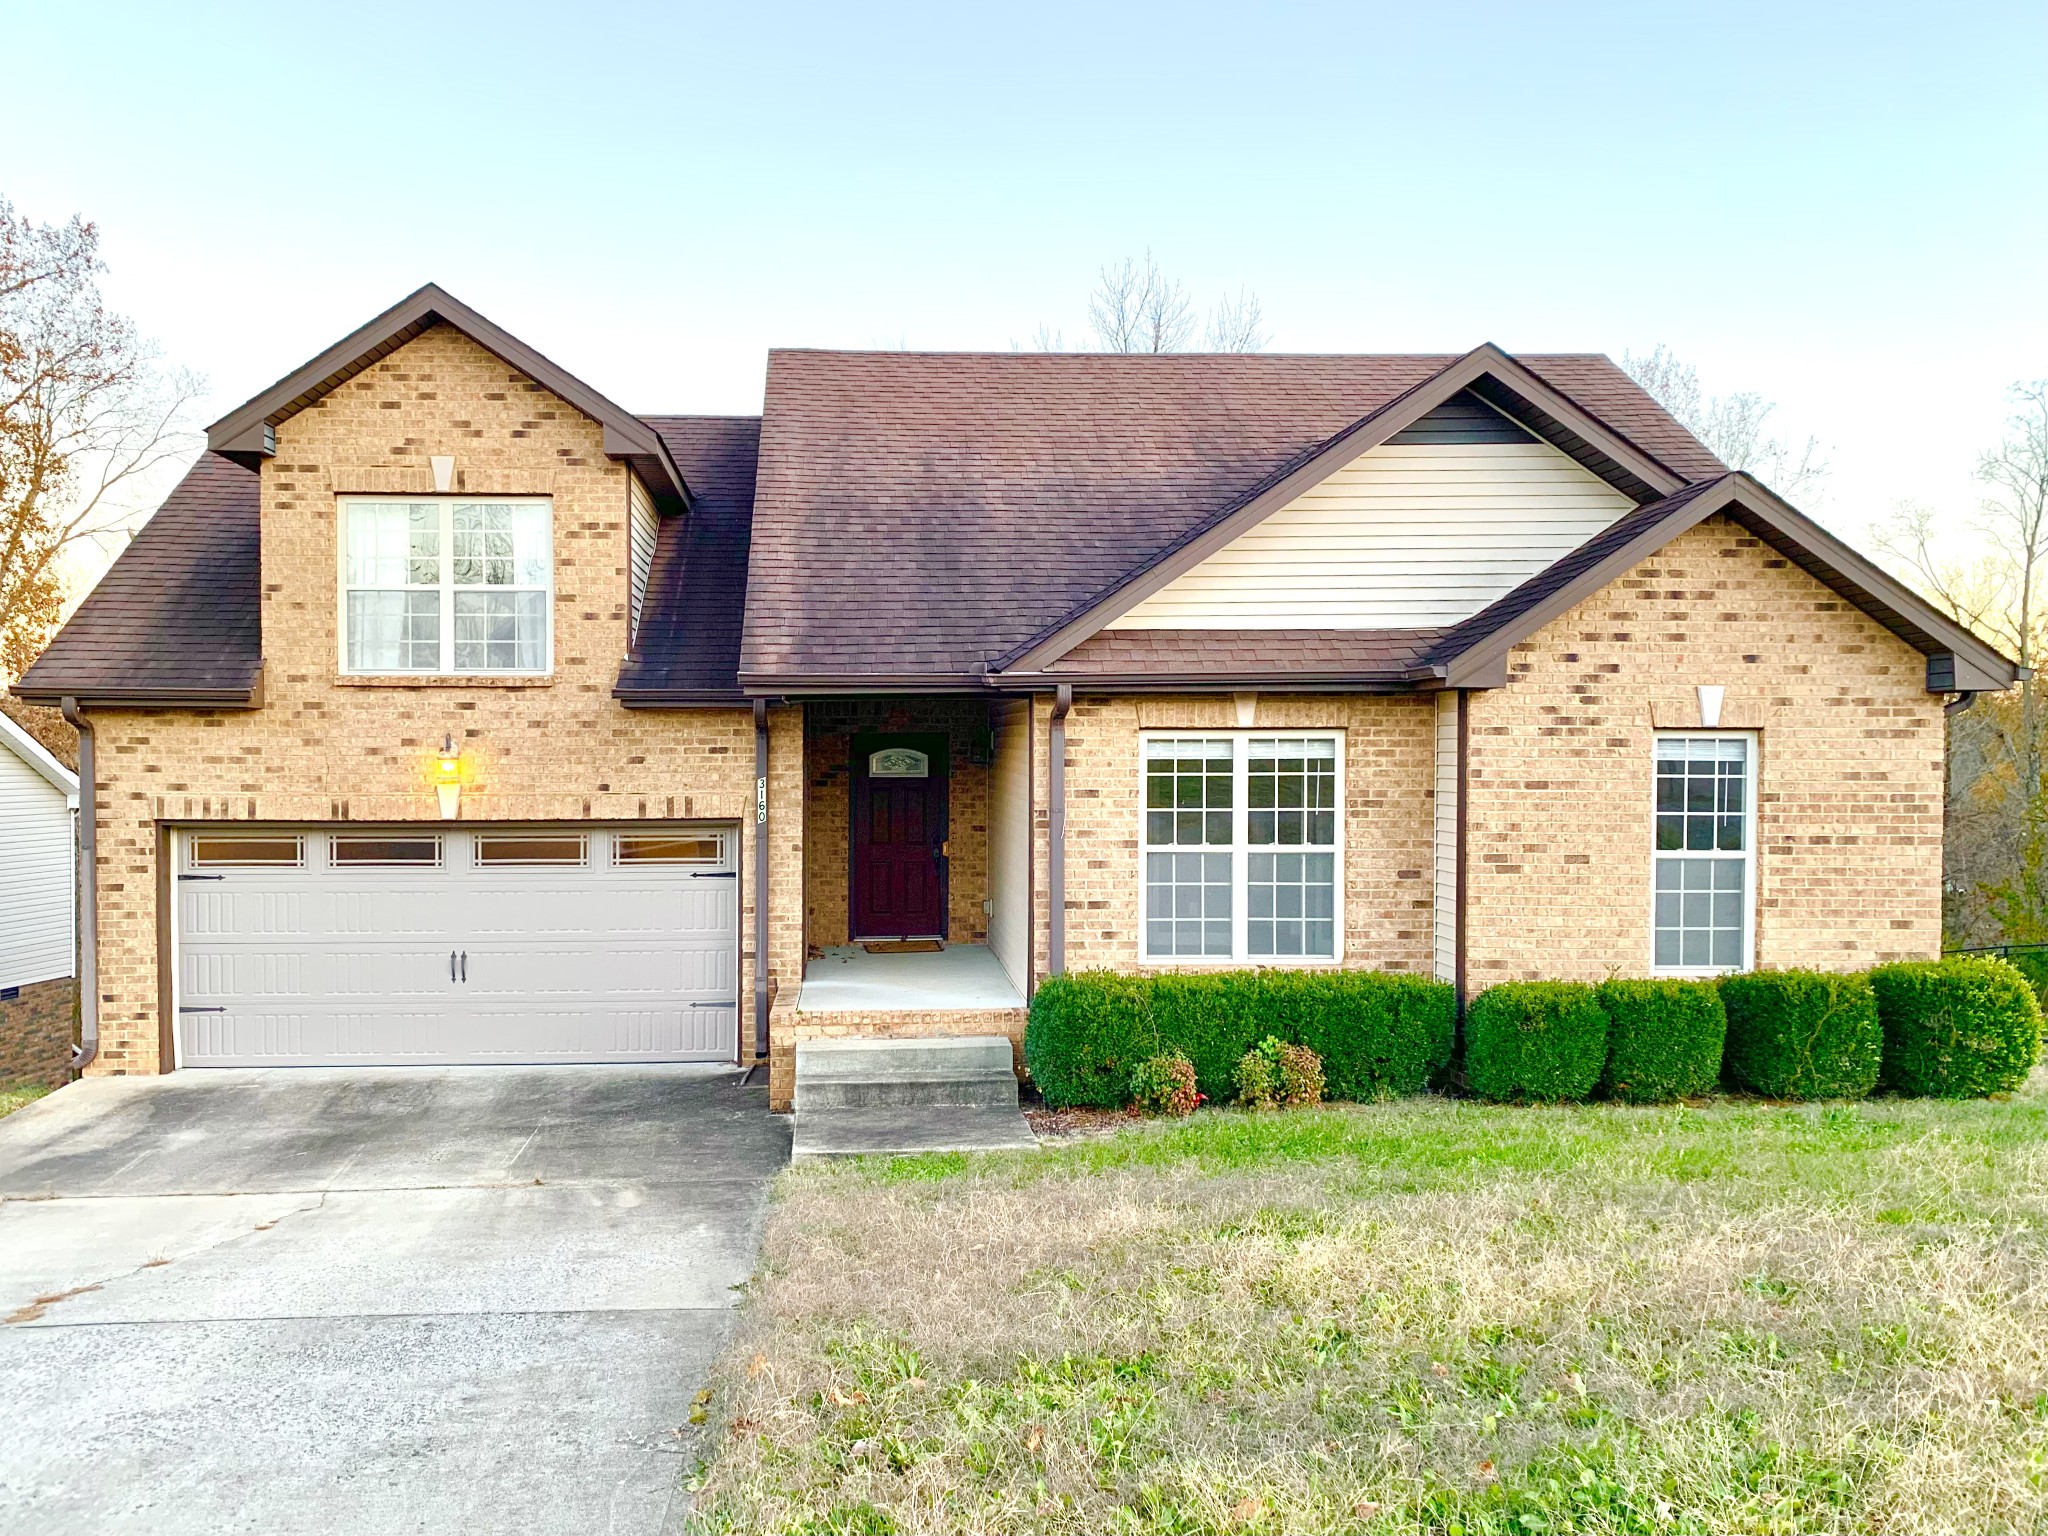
[898, 840]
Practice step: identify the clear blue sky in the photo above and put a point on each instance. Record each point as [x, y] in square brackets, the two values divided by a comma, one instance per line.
[1841, 206]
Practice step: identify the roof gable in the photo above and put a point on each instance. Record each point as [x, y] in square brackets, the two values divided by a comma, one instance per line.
[38, 758]
[1502, 382]
[1424, 530]
[247, 434]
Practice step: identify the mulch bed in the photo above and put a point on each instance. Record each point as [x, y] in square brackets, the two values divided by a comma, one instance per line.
[1056, 1123]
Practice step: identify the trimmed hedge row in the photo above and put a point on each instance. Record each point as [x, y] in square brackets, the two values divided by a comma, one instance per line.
[1379, 1035]
[1956, 1028]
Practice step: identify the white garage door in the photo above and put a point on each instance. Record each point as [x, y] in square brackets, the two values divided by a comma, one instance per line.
[416, 946]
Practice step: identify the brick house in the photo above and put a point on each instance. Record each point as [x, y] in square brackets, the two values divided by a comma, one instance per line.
[449, 712]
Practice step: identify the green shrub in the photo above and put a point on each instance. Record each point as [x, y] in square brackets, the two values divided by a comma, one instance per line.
[1377, 1035]
[1664, 1040]
[1535, 1041]
[1801, 1034]
[1958, 1028]
[2032, 963]
[1276, 1075]
[1086, 1032]
[1380, 1036]
[1165, 1085]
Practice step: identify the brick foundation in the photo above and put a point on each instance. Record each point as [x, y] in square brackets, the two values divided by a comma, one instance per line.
[36, 1031]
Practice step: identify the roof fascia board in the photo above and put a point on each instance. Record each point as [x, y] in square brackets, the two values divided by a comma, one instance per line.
[1750, 503]
[1363, 435]
[38, 757]
[250, 697]
[248, 430]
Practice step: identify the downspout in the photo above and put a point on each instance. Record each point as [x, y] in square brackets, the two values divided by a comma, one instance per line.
[760, 884]
[1056, 833]
[1464, 811]
[88, 893]
[1960, 704]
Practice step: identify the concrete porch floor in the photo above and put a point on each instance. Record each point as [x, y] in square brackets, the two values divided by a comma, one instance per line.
[958, 978]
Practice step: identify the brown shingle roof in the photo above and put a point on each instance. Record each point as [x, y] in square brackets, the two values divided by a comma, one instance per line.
[920, 514]
[688, 647]
[176, 616]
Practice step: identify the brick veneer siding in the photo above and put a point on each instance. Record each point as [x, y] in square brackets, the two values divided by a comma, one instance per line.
[327, 749]
[1388, 798]
[830, 726]
[1560, 764]
[36, 1031]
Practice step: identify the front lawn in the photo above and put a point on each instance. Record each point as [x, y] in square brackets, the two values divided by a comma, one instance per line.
[1419, 1316]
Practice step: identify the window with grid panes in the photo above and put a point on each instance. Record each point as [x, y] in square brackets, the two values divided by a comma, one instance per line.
[446, 585]
[1705, 853]
[1241, 841]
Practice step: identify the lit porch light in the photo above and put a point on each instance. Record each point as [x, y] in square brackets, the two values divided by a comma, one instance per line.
[448, 777]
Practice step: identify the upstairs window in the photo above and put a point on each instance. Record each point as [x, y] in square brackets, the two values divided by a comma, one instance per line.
[447, 586]
[1705, 898]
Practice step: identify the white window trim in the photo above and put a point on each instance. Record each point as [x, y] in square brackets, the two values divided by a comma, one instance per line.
[446, 587]
[1239, 849]
[1752, 813]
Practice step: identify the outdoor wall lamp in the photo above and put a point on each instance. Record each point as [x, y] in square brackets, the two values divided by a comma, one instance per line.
[448, 778]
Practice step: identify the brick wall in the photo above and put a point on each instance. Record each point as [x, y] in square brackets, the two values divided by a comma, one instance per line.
[1388, 795]
[36, 1031]
[326, 749]
[1850, 769]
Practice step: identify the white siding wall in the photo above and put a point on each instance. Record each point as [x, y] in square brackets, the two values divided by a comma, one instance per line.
[1405, 536]
[1009, 844]
[35, 876]
[1444, 931]
[645, 524]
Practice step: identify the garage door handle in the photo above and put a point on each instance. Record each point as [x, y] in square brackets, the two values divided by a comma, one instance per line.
[451, 965]
[720, 874]
[465, 965]
[202, 1010]
[711, 1005]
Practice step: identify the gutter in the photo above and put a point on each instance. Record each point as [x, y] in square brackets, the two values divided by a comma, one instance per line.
[1056, 833]
[88, 892]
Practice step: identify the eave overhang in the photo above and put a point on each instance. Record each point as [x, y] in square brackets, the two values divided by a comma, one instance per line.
[234, 698]
[248, 434]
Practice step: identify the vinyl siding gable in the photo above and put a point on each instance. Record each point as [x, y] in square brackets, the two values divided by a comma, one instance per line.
[645, 526]
[35, 876]
[1422, 531]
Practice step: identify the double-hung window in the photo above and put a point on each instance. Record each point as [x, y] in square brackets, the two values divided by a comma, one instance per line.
[1242, 847]
[447, 585]
[1705, 896]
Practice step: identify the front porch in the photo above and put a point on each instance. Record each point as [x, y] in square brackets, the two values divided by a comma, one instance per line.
[955, 978]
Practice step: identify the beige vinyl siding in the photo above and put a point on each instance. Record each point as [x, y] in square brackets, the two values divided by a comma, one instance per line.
[1009, 844]
[1405, 536]
[36, 902]
[646, 523]
[1444, 928]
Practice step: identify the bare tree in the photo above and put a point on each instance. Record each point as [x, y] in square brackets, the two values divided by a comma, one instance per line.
[1733, 427]
[1991, 572]
[1137, 308]
[1237, 324]
[86, 413]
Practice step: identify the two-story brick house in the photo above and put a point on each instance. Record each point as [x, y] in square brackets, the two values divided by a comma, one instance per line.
[447, 712]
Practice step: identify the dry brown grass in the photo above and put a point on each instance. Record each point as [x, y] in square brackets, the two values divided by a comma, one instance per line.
[1423, 1316]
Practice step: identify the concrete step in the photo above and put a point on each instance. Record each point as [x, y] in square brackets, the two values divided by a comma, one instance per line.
[844, 1060]
[907, 1093]
[890, 1132]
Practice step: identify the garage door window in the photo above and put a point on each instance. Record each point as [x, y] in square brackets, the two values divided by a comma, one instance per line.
[533, 851]
[246, 852]
[423, 852]
[635, 848]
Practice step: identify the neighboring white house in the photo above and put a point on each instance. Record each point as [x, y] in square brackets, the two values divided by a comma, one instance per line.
[38, 804]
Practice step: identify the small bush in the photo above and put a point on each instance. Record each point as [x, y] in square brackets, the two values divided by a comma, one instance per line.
[1535, 1042]
[1959, 1028]
[1664, 1040]
[1801, 1034]
[1274, 1075]
[1165, 1085]
[1086, 1032]
[1380, 1036]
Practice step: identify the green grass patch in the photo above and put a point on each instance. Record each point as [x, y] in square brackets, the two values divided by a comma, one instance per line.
[15, 1096]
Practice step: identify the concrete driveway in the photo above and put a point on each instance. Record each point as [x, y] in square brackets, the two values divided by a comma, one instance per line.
[418, 1300]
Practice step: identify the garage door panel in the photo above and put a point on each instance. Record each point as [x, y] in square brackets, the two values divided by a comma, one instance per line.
[311, 964]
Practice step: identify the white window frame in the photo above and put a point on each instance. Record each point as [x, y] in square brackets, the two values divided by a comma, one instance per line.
[1752, 828]
[446, 587]
[1240, 850]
